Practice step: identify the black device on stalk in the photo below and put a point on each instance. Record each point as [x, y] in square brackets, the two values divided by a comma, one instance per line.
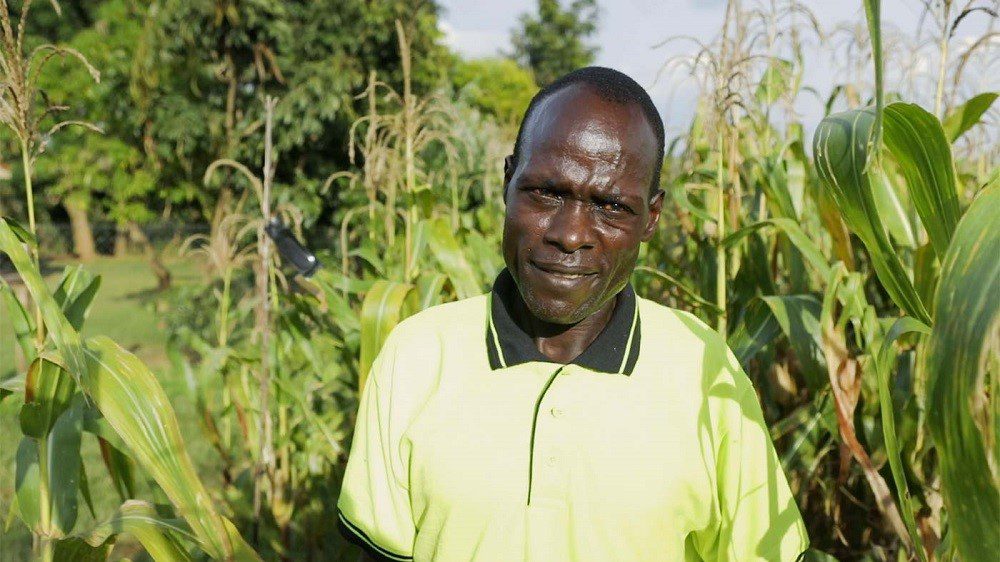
[290, 249]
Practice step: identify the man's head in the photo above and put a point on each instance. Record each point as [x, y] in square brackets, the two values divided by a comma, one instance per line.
[582, 192]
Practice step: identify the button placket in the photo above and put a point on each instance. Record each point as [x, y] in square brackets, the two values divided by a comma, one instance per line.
[542, 427]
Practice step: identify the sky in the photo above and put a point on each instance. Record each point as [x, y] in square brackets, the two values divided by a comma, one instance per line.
[629, 29]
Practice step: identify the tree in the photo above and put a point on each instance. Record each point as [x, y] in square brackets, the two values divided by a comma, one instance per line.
[96, 176]
[497, 87]
[212, 62]
[181, 84]
[554, 42]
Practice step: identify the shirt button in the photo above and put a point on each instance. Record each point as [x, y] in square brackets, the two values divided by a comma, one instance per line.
[551, 461]
[556, 412]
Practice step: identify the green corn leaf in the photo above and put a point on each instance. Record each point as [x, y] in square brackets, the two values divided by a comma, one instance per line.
[962, 365]
[430, 287]
[62, 454]
[802, 242]
[482, 252]
[333, 449]
[78, 306]
[73, 279]
[873, 16]
[756, 329]
[806, 427]
[138, 409]
[75, 549]
[840, 236]
[452, 259]
[796, 174]
[48, 389]
[162, 538]
[755, 264]
[119, 467]
[778, 78]
[917, 143]
[926, 270]
[26, 483]
[340, 308]
[384, 306]
[210, 367]
[67, 339]
[890, 207]
[135, 405]
[883, 367]
[967, 115]
[21, 322]
[842, 145]
[22, 233]
[85, 490]
[671, 281]
[419, 236]
[63, 451]
[679, 194]
[798, 316]
[13, 384]
[368, 252]
[331, 279]
[775, 186]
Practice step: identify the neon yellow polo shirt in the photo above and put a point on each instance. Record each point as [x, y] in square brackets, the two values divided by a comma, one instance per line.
[650, 446]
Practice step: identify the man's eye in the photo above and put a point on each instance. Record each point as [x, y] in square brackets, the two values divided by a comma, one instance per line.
[614, 207]
[543, 192]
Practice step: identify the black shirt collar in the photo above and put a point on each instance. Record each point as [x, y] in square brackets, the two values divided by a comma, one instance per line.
[615, 350]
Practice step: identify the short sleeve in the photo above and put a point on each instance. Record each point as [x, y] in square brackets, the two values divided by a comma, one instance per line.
[757, 518]
[374, 503]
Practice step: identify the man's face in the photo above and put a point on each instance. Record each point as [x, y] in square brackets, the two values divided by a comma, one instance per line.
[578, 203]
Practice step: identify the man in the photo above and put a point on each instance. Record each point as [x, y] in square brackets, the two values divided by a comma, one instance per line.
[561, 417]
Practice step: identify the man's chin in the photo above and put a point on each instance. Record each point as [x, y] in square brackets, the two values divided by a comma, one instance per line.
[554, 311]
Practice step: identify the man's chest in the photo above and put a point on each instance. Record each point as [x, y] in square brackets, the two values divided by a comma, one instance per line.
[589, 442]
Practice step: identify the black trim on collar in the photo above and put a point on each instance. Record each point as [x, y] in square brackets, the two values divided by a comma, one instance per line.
[615, 350]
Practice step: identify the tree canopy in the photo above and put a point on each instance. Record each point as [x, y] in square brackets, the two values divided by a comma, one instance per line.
[554, 41]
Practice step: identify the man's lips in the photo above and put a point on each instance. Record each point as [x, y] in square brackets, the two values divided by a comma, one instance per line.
[562, 271]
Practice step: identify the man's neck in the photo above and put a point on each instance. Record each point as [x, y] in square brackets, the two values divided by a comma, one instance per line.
[562, 343]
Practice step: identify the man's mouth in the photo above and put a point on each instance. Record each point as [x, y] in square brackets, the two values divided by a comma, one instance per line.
[562, 272]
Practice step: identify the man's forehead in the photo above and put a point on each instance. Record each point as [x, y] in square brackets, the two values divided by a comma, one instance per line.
[578, 120]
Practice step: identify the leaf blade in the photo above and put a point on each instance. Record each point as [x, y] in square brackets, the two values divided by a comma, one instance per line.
[963, 347]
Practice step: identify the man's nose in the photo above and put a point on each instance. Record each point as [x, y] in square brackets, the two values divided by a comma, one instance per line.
[571, 228]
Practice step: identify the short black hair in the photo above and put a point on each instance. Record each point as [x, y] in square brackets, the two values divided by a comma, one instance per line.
[610, 85]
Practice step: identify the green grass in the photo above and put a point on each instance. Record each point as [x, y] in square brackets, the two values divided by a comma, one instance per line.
[125, 309]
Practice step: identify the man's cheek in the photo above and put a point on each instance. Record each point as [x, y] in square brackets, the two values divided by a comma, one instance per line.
[525, 226]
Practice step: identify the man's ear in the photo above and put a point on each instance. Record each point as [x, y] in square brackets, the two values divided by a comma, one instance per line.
[508, 171]
[655, 206]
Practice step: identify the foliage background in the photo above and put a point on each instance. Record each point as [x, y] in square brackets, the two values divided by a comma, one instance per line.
[387, 156]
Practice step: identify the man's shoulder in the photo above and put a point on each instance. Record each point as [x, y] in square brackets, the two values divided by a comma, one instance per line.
[679, 338]
[461, 316]
[661, 320]
[421, 345]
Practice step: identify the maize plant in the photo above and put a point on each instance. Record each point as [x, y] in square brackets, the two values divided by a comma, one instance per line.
[828, 269]
[956, 327]
[401, 245]
[77, 387]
